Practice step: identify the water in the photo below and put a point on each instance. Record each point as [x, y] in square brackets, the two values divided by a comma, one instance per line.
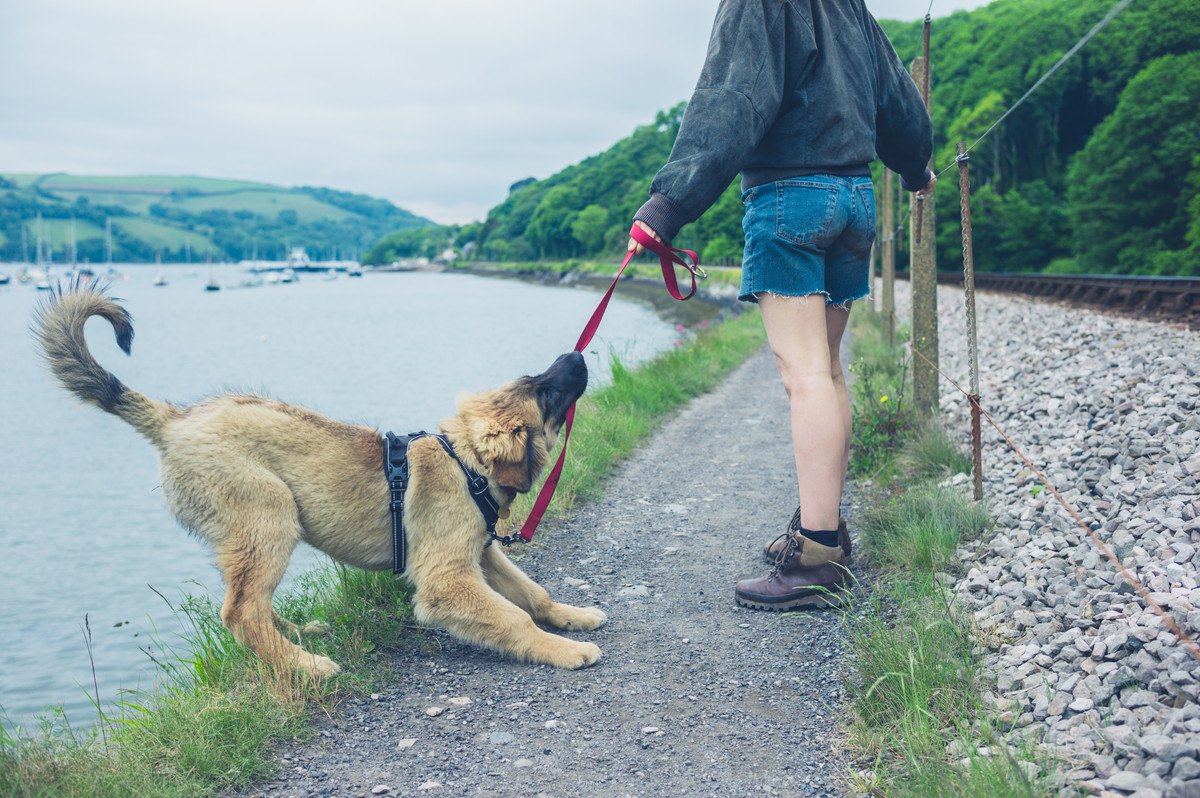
[83, 528]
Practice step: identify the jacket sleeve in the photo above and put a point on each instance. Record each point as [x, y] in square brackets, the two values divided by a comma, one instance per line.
[734, 103]
[903, 130]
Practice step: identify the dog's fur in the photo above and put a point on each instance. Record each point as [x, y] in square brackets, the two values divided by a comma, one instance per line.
[254, 476]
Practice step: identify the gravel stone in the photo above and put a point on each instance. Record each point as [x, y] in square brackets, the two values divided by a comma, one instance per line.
[1106, 409]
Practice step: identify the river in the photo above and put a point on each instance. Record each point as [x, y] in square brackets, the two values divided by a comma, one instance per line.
[83, 528]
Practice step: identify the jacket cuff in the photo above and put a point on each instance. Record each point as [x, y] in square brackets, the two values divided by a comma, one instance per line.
[662, 215]
[916, 181]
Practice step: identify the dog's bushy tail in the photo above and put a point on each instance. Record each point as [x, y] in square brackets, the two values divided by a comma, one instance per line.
[58, 325]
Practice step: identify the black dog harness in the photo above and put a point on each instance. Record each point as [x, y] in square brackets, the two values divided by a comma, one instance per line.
[395, 466]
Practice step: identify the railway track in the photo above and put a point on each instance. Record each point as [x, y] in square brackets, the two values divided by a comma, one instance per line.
[1167, 299]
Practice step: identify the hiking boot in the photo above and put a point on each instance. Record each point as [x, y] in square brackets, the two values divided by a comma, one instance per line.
[773, 549]
[805, 574]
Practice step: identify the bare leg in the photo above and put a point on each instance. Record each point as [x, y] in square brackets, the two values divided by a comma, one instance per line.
[836, 319]
[801, 337]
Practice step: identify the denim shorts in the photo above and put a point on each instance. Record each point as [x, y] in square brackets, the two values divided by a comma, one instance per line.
[809, 235]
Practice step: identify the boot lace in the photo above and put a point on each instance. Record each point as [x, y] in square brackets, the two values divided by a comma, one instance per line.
[791, 547]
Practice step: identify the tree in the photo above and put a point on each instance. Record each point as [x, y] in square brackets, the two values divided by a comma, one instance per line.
[589, 228]
[550, 225]
[1129, 187]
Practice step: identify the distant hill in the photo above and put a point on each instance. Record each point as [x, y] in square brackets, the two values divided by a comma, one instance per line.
[177, 218]
[1097, 172]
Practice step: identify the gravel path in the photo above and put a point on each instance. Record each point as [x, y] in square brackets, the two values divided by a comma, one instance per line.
[693, 696]
[1107, 408]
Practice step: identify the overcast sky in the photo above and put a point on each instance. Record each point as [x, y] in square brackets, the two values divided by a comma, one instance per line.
[437, 105]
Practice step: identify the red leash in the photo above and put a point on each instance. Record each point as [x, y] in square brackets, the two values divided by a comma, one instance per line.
[668, 257]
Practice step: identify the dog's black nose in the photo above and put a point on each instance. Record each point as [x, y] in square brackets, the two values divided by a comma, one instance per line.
[573, 360]
[567, 377]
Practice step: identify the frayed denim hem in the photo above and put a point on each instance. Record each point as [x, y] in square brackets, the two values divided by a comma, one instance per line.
[844, 304]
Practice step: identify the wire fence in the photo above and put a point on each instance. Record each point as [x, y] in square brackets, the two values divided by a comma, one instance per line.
[972, 397]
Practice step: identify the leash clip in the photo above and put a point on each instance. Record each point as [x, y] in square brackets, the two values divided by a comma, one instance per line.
[504, 540]
[693, 266]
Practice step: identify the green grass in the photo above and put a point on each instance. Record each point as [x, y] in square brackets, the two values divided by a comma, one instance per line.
[883, 418]
[917, 707]
[57, 232]
[162, 235]
[21, 179]
[209, 729]
[263, 202]
[133, 202]
[151, 183]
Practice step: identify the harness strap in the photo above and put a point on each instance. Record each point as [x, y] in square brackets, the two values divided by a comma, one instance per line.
[668, 258]
[395, 464]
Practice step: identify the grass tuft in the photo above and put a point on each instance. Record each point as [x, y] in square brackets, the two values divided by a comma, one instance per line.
[930, 455]
[919, 530]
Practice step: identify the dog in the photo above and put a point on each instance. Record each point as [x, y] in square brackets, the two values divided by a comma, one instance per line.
[254, 477]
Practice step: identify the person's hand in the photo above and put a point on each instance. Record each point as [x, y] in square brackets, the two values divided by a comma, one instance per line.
[929, 186]
[637, 248]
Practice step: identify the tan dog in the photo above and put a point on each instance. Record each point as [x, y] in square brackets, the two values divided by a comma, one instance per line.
[254, 476]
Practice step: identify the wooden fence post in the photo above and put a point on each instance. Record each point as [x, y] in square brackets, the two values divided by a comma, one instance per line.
[923, 281]
[888, 266]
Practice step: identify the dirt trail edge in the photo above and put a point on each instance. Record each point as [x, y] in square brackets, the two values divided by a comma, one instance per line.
[693, 696]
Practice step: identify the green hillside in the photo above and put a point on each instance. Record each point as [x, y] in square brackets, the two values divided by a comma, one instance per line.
[1096, 172]
[176, 218]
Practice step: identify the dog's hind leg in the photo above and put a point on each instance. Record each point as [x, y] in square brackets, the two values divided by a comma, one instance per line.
[260, 529]
[511, 582]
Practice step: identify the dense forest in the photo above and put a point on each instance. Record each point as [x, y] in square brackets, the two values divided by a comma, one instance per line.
[1098, 171]
[180, 218]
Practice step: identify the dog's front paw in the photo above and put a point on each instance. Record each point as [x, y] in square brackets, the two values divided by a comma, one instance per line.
[571, 654]
[317, 628]
[318, 666]
[564, 616]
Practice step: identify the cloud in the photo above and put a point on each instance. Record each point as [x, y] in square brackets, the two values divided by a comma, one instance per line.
[435, 105]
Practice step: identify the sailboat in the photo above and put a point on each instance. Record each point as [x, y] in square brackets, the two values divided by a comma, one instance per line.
[212, 284]
[43, 276]
[160, 280]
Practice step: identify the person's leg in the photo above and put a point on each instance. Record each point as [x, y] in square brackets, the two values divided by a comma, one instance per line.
[805, 333]
[801, 338]
[836, 319]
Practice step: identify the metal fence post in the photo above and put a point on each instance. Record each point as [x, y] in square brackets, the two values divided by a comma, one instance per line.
[923, 281]
[964, 193]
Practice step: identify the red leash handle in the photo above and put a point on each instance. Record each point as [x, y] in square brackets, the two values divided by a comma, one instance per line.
[668, 258]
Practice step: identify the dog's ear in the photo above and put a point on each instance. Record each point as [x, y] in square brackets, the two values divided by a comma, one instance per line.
[506, 453]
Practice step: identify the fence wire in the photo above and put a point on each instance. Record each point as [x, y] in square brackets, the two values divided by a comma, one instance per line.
[1087, 37]
[1183, 637]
